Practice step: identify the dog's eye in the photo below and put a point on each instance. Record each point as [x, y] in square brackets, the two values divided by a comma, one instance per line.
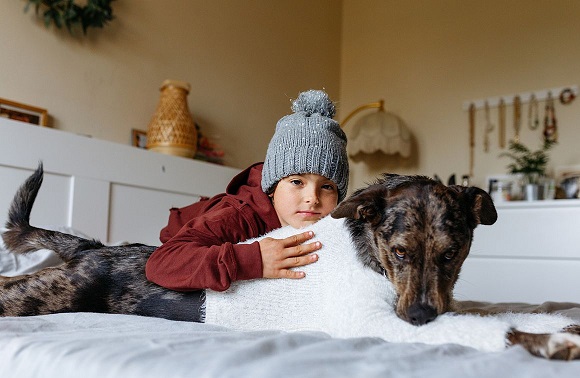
[400, 253]
[448, 255]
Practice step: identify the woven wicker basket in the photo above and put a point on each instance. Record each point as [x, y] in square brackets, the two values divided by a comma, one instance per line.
[172, 129]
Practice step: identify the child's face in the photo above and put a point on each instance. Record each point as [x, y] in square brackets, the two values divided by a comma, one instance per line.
[300, 200]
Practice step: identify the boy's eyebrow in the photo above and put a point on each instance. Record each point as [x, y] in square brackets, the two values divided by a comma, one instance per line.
[326, 180]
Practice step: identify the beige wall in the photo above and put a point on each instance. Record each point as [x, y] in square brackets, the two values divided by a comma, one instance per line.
[243, 59]
[425, 58]
[246, 59]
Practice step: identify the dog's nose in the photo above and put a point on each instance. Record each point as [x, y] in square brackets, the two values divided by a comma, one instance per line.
[421, 313]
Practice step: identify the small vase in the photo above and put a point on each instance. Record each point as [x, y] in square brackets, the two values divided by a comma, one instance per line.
[172, 129]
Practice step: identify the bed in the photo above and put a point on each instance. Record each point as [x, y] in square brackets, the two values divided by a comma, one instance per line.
[120, 193]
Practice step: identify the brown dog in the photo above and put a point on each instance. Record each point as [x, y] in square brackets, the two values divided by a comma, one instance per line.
[419, 233]
[411, 229]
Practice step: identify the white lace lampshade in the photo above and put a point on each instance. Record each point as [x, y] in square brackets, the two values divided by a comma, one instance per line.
[378, 131]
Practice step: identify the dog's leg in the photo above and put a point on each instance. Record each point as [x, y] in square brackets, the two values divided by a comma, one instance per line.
[574, 328]
[554, 346]
[471, 311]
[66, 288]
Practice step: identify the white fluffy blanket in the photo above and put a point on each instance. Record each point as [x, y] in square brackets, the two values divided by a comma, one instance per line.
[343, 298]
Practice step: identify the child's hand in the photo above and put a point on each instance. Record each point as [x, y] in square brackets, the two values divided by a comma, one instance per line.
[279, 255]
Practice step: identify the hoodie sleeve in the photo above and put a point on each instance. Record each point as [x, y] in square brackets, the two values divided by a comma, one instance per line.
[204, 253]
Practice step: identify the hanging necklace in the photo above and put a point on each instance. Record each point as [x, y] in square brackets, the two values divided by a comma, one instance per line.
[533, 113]
[550, 123]
[471, 138]
[517, 118]
[501, 122]
[488, 127]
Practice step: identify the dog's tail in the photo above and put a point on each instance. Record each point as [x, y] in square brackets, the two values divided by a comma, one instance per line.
[21, 237]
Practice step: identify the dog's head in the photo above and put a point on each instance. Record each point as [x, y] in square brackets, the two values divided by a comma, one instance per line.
[418, 232]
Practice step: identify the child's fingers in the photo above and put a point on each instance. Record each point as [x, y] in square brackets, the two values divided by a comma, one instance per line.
[296, 261]
[280, 255]
[303, 249]
[292, 274]
[295, 245]
[297, 239]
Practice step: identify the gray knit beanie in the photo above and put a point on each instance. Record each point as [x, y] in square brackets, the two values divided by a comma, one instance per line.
[308, 141]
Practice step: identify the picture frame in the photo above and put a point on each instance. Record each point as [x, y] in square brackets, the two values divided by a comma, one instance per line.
[139, 138]
[23, 112]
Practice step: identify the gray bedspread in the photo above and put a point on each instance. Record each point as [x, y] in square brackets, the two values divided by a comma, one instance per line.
[105, 345]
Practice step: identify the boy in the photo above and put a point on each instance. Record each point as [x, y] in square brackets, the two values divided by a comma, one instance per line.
[303, 178]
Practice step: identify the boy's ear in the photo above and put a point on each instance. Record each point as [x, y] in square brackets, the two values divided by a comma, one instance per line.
[366, 205]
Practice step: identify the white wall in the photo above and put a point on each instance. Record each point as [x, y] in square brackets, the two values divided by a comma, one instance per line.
[246, 59]
[425, 58]
[243, 59]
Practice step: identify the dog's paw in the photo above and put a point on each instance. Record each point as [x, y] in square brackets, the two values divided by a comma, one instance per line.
[563, 346]
[553, 346]
[574, 328]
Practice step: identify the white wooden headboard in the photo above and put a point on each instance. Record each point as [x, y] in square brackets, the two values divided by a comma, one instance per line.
[107, 190]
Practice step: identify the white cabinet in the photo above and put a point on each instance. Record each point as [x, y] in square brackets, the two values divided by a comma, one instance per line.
[109, 191]
[531, 254]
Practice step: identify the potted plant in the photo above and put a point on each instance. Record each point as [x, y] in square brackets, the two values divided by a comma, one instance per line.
[530, 164]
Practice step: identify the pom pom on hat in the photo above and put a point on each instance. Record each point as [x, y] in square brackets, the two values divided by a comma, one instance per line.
[308, 141]
[314, 101]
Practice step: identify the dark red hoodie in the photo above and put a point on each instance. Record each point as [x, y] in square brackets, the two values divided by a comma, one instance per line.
[200, 250]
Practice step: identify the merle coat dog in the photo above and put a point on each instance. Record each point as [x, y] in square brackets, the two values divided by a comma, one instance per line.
[408, 235]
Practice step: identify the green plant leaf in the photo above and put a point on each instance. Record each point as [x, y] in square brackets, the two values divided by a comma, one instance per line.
[523, 160]
[96, 13]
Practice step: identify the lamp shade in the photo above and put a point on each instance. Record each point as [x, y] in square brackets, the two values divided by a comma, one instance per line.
[379, 131]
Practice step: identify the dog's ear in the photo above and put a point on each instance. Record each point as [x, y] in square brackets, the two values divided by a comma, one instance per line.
[481, 204]
[366, 204]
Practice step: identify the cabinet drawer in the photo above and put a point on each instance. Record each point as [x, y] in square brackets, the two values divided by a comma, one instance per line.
[519, 280]
[542, 232]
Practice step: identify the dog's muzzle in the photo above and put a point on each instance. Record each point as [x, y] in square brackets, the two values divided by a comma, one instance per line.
[421, 313]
